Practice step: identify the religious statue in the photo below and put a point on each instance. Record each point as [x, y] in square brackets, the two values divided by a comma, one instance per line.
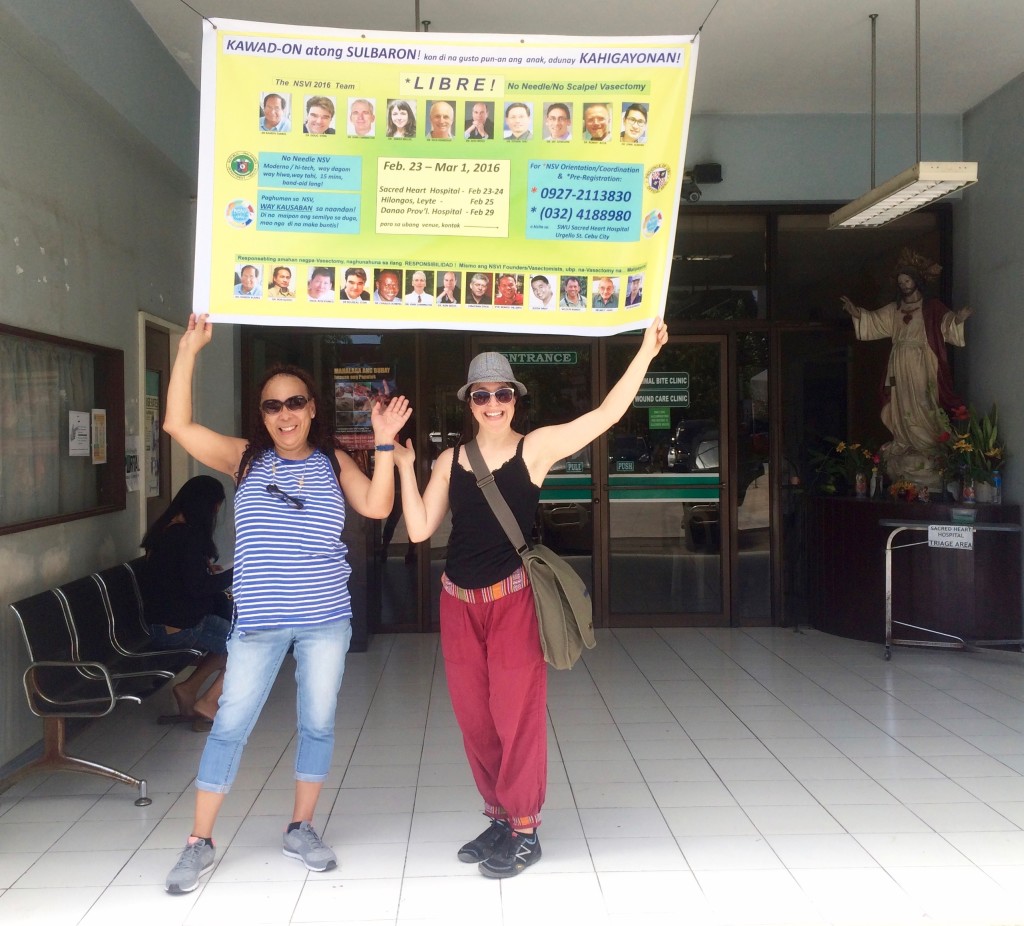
[917, 380]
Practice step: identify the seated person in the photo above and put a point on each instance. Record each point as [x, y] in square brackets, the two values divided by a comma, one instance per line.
[183, 592]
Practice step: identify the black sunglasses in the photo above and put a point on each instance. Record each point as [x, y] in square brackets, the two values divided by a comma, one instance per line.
[504, 395]
[285, 497]
[292, 403]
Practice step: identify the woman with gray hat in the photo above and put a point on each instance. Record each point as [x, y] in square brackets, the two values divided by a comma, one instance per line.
[497, 677]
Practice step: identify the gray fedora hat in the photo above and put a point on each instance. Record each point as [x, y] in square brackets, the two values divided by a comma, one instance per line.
[490, 367]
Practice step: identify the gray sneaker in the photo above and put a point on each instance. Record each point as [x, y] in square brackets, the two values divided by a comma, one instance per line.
[194, 862]
[304, 844]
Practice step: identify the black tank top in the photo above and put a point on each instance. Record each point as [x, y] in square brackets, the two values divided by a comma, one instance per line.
[479, 551]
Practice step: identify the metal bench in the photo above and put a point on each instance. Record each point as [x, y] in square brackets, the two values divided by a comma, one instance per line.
[81, 665]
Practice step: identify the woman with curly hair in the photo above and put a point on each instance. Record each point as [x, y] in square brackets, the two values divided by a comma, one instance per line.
[401, 120]
[290, 583]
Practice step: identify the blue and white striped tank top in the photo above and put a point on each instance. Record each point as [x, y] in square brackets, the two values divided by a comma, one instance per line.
[290, 565]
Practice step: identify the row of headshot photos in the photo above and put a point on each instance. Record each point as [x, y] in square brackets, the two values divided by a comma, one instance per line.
[439, 119]
[436, 287]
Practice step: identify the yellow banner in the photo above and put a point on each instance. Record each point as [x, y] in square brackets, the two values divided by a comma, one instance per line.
[420, 180]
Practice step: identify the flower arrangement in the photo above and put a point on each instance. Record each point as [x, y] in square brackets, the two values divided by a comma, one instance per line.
[837, 468]
[969, 445]
[903, 491]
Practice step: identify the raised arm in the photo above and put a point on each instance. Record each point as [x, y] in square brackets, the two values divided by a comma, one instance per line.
[546, 445]
[423, 513]
[374, 497]
[218, 451]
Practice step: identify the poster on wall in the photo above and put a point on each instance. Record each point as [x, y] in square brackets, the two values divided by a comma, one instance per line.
[151, 433]
[427, 180]
[132, 466]
[99, 435]
[356, 388]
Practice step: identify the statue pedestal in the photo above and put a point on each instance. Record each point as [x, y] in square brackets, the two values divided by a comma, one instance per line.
[912, 466]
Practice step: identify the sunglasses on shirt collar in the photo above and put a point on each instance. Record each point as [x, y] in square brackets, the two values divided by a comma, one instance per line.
[289, 500]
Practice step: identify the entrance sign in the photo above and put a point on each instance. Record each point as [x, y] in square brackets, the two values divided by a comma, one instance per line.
[542, 357]
[421, 180]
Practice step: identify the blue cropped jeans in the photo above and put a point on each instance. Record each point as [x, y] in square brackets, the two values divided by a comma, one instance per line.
[254, 659]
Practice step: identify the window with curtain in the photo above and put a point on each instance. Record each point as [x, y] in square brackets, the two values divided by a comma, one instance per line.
[42, 379]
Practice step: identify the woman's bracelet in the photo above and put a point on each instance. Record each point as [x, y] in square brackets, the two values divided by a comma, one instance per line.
[381, 448]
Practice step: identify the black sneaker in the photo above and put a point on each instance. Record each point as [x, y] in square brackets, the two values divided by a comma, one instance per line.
[516, 852]
[481, 848]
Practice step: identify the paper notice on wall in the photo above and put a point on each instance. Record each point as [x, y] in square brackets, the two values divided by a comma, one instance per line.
[78, 434]
[132, 466]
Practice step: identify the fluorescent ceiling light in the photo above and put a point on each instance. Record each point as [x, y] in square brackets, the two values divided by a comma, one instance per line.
[917, 186]
[706, 257]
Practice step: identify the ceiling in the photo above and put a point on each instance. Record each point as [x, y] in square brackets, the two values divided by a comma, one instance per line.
[756, 56]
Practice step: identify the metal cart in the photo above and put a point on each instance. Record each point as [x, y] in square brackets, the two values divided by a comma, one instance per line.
[949, 641]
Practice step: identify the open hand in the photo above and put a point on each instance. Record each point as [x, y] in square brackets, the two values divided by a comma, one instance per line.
[849, 308]
[388, 418]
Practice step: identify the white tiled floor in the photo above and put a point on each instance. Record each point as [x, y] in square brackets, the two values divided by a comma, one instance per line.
[746, 777]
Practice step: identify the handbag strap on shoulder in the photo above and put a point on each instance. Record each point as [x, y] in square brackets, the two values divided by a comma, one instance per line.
[485, 480]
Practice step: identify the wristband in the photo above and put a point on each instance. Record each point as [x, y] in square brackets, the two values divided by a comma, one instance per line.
[384, 447]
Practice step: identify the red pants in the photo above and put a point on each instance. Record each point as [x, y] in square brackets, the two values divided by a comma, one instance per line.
[497, 679]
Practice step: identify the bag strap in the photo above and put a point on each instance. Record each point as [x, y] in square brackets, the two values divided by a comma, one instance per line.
[485, 480]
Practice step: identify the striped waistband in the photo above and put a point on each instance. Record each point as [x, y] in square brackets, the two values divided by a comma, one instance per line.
[514, 583]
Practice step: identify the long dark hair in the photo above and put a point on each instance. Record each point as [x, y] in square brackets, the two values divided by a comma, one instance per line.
[197, 502]
[320, 435]
[410, 126]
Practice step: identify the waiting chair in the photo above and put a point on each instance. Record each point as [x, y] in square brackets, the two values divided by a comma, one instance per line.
[59, 686]
[129, 631]
[93, 640]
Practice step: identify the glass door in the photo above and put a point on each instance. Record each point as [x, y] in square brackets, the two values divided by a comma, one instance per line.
[663, 483]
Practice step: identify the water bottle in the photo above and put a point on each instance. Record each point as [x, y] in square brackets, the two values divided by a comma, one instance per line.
[997, 488]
